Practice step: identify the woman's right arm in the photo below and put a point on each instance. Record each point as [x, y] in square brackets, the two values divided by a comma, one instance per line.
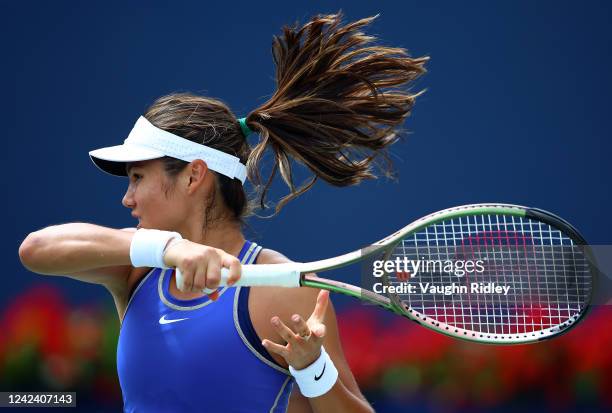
[101, 255]
[82, 251]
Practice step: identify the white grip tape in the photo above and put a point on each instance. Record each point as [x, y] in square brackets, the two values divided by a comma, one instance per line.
[266, 275]
[180, 281]
[147, 247]
[260, 275]
[318, 378]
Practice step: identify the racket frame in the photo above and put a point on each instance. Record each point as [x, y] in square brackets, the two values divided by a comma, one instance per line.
[390, 242]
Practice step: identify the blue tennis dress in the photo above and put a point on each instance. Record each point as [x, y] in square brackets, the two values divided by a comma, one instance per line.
[196, 355]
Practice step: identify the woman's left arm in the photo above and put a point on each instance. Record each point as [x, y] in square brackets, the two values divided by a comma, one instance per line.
[307, 312]
[345, 395]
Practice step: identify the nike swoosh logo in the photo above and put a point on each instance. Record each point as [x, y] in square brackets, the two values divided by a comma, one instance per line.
[317, 378]
[163, 320]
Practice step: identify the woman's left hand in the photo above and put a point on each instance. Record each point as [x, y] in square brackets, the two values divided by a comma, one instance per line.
[304, 339]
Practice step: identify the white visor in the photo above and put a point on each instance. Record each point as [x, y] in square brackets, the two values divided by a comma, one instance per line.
[146, 142]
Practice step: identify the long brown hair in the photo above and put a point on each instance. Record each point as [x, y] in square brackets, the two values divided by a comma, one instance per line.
[339, 104]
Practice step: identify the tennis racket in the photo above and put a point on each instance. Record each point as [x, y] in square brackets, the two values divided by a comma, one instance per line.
[531, 275]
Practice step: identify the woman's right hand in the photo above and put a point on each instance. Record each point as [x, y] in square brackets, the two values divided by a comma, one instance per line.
[200, 265]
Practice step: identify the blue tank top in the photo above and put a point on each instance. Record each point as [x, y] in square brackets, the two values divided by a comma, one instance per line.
[196, 355]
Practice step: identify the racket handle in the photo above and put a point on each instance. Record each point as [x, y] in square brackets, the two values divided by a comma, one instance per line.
[261, 275]
[266, 275]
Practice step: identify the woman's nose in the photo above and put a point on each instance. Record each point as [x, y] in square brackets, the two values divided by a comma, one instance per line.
[128, 198]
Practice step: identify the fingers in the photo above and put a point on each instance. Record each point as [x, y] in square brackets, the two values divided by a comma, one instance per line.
[275, 348]
[235, 268]
[213, 272]
[184, 279]
[318, 313]
[300, 326]
[319, 331]
[285, 332]
[210, 279]
[301, 331]
[199, 279]
[303, 341]
[200, 269]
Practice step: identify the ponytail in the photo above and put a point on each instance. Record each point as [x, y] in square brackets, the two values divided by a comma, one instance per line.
[338, 105]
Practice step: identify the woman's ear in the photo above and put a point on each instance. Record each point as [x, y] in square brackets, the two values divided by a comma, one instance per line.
[197, 173]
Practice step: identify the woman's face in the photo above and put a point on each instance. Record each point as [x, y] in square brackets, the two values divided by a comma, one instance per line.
[146, 196]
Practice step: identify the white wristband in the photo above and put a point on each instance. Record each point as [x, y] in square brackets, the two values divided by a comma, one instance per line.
[318, 378]
[148, 245]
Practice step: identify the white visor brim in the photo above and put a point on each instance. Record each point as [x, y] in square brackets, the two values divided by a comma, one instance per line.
[147, 142]
[113, 159]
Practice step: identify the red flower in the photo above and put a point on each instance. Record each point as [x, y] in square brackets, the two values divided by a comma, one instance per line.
[36, 317]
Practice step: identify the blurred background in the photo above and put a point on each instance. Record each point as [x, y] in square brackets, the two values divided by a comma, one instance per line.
[516, 110]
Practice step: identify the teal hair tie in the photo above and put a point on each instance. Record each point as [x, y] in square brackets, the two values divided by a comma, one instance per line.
[246, 131]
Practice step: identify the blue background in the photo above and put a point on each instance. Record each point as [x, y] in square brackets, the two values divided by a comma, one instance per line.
[516, 110]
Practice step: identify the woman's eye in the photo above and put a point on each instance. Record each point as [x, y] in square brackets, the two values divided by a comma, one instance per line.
[136, 177]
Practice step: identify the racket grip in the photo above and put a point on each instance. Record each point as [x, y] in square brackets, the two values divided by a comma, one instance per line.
[261, 275]
[266, 275]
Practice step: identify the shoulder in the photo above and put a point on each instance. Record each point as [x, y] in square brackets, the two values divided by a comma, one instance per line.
[286, 300]
[268, 256]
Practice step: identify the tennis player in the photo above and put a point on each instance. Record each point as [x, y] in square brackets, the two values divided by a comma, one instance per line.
[186, 344]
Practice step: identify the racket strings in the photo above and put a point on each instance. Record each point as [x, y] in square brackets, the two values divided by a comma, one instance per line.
[533, 277]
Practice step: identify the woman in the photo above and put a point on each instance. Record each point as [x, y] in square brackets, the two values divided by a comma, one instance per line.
[186, 344]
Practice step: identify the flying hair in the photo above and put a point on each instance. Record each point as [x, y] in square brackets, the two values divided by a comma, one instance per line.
[339, 104]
